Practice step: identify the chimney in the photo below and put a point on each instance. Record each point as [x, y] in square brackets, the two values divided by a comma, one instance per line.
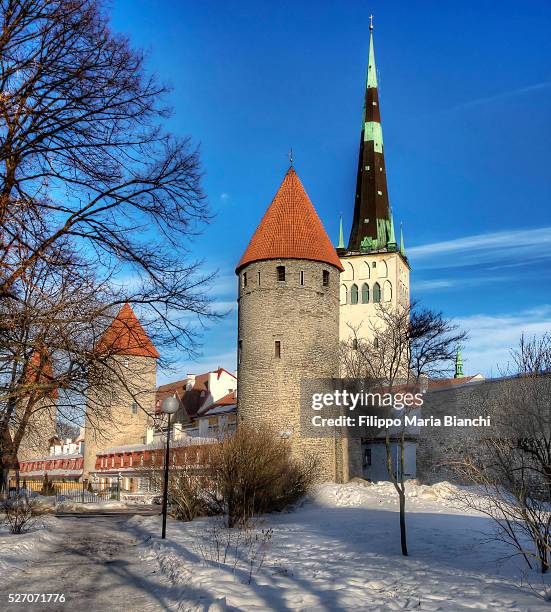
[190, 381]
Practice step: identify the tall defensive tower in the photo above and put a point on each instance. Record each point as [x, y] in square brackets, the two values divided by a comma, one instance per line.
[376, 269]
[288, 319]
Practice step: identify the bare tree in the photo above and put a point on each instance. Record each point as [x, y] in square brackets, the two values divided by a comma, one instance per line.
[97, 207]
[405, 345]
[511, 467]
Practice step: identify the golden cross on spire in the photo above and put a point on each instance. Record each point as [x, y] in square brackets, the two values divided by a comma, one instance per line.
[371, 22]
[290, 155]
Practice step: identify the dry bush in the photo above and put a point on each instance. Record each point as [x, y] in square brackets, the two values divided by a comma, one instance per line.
[187, 496]
[243, 550]
[19, 513]
[253, 472]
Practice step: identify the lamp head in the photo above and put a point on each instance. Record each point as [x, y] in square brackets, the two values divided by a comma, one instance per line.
[170, 405]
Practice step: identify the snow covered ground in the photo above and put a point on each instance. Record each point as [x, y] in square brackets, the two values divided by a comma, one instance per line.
[17, 550]
[338, 551]
[341, 551]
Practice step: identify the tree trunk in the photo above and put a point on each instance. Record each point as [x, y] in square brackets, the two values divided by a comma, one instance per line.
[403, 539]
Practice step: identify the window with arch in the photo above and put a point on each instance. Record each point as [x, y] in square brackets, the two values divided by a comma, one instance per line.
[387, 291]
[365, 293]
[365, 270]
[280, 270]
[348, 273]
[376, 293]
[354, 294]
[343, 295]
[382, 270]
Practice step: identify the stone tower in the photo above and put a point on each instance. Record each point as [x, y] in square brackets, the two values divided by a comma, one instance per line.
[288, 319]
[376, 270]
[40, 417]
[121, 397]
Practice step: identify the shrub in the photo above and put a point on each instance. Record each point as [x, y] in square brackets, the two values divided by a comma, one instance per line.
[187, 496]
[19, 513]
[253, 472]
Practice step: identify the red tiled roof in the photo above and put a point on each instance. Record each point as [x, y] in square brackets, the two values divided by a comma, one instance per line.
[228, 400]
[442, 383]
[40, 371]
[126, 336]
[290, 229]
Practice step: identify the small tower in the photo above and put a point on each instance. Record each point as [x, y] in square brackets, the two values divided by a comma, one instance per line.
[121, 397]
[288, 318]
[458, 365]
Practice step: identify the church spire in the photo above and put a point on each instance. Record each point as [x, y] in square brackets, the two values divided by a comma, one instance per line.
[370, 225]
[458, 365]
[341, 236]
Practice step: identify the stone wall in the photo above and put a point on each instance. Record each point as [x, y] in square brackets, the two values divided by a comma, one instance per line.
[39, 430]
[119, 406]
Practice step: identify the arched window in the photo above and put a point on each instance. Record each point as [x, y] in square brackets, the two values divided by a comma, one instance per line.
[365, 293]
[348, 273]
[376, 293]
[382, 270]
[387, 291]
[365, 271]
[344, 295]
[354, 294]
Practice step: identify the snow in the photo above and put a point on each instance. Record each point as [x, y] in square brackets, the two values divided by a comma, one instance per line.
[341, 551]
[16, 550]
[338, 550]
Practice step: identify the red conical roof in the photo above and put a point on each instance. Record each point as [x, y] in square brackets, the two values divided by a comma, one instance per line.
[126, 336]
[40, 371]
[290, 229]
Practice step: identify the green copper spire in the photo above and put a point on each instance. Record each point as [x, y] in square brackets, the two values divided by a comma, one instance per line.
[402, 247]
[341, 237]
[458, 365]
[391, 244]
[371, 69]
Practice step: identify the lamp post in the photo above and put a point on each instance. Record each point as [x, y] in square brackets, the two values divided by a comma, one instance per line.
[169, 406]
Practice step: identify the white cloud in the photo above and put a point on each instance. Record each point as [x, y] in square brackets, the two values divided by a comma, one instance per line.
[491, 337]
[499, 96]
[501, 249]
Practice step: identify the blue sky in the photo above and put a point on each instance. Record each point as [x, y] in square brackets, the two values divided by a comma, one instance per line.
[465, 93]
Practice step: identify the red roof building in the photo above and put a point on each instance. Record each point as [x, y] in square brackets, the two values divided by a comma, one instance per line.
[126, 336]
[290, 229]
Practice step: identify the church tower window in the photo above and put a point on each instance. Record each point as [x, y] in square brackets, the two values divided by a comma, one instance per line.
[365, 293]
[325, 278]
[277, 353]
[376, 293]
[354, 294]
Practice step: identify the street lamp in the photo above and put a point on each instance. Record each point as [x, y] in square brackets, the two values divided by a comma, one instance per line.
[169, 406]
